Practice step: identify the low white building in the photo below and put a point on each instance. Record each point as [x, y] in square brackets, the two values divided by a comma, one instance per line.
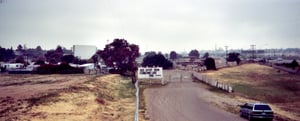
[12, 65]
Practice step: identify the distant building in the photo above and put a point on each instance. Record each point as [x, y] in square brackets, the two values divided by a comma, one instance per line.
[84, 51]
[253, 53]
[9, 66]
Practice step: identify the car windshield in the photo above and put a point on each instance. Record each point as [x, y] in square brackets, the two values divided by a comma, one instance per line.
[262, 107]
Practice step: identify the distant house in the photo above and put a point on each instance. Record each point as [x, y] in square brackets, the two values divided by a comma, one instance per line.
[11, 66]
[188, 63]
[253, 53]
[84, 51]
[90, 68]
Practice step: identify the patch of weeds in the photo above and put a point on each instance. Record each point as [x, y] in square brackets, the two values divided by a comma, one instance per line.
[15, 83]
[292, 86]
[232, 76]
[104, 95]
[10, 108]
[76, 89]
[42, 99]
[92, 79]
[126, 90]
[244, 88]
[215, 89]
[43, 82]
[261, 93]
[142, 102]
[231, 108]
[248, 91]
[100, 101]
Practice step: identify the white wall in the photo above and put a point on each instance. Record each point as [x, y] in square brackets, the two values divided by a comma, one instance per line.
[84, 51]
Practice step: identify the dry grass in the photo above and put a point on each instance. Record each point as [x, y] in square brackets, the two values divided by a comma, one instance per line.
[253, 82]
[106, 98]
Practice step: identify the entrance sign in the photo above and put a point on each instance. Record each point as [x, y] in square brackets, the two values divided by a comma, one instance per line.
[150, 73]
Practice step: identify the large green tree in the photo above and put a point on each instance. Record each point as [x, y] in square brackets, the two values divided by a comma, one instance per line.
[120, 55]
[6, 54]
[233, 56]
[158, 60]
[34, 53]
[54, 56]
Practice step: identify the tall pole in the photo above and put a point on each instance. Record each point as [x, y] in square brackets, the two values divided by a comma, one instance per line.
[253, 49]
[226, 47]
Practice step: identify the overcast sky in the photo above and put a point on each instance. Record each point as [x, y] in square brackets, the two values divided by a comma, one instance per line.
[158, 25]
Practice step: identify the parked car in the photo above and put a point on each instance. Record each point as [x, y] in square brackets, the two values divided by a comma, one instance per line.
[256, 111]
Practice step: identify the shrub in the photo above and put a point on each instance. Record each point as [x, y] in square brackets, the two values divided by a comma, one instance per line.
[210, 64]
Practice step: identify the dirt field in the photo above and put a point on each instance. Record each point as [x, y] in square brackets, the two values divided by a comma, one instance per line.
[259, 83]
[66, 97]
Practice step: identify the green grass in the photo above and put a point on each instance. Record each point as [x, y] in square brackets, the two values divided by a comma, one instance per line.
[126, 90]
[267, 86]
[43, 98]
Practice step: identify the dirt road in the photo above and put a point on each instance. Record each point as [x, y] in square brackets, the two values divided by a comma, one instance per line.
[183, 100]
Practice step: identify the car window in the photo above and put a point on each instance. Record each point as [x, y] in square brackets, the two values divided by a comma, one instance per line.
[262, 107]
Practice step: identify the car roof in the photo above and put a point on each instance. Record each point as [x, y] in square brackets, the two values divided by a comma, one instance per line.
[256, 103]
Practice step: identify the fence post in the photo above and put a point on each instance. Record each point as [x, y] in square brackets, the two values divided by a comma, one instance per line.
[230, 89]
[136, 117]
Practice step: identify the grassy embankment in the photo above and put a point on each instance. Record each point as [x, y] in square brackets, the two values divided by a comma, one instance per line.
[264, 84]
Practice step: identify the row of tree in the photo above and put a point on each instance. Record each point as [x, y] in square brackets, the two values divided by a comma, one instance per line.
[120, 55]
[37, 55]
[6, 54]
[156, 59]
[194, 54]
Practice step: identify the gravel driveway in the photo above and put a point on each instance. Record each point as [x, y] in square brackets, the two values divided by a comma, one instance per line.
[183, 100]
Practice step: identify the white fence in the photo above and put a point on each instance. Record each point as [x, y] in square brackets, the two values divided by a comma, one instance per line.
[212, 82]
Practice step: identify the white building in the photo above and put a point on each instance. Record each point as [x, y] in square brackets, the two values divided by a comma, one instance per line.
[84, 51]
[10, 66]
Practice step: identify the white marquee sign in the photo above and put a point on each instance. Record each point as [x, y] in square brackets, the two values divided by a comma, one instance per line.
[150, 72]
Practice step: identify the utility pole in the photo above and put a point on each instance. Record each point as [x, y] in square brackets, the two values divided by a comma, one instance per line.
[253, 49]
[226, 47]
